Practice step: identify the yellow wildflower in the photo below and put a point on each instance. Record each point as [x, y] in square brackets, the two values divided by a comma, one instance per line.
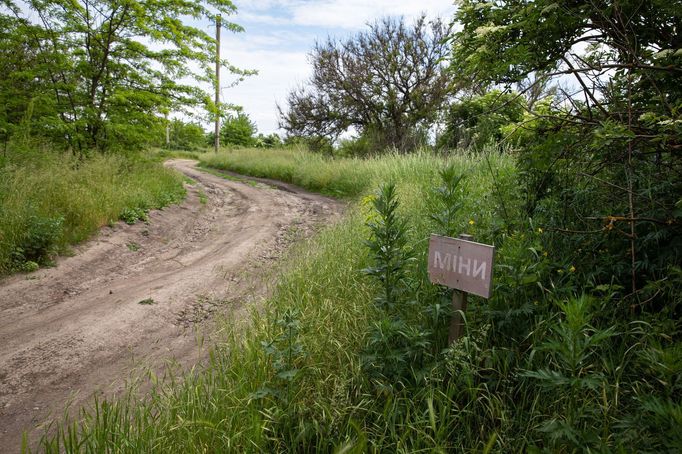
[539, 229]
[368, 200]
[472, 222]
[572, 269]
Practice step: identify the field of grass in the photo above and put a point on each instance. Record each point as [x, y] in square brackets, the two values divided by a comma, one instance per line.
[336, 177]
[49, 200]
[328, 366]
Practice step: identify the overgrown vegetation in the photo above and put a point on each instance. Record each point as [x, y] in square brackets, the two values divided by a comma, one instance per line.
[559, 132]
[49, 201]
[548, 363]
[93, 74]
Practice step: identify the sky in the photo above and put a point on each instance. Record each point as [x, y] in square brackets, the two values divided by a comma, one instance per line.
[280, 33]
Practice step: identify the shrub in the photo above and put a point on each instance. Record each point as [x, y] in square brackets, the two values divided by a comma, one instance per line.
[49, 200]
[38, 241]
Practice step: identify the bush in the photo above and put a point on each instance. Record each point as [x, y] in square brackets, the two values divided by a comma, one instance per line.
[550, 362]
[49, 200]
[37, 243]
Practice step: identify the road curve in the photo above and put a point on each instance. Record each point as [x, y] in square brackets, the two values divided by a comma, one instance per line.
[77, 329]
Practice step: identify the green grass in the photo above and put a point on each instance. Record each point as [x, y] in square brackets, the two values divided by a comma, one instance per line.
[539, 369]
[50, 200]
[227, 176]
[218, 409]
[345, 178]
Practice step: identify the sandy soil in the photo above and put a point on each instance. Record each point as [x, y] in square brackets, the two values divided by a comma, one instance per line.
[79, 329]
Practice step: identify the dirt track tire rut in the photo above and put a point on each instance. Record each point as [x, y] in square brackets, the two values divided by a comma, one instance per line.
[77, 329]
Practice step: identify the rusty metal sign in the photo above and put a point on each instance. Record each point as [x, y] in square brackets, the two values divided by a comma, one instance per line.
[461, 264]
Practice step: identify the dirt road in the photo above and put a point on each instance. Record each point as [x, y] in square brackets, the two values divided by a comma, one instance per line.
[79, 328]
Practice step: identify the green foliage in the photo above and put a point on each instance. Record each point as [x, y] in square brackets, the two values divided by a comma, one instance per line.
[49, 200]
[286, 354]
[238, 130]
[37, 243]
[388, 246]
[361, 146]
[599, 165]
[475, 121]
[131, 215]
[396, 346]
[449, 198]
[573, 376]
[102, 73]
[270, 141]
[186, 136]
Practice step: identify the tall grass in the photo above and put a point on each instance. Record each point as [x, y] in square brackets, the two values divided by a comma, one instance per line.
[540, 368]
[346, 178]
[50, 200]
[238, 403]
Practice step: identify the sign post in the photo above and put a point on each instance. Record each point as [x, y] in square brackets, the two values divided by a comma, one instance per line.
[463, 265]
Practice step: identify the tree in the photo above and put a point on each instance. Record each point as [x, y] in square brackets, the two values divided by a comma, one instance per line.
[186, 136]
[388, 80]
[270, 141]
[607, 149]
[238, 129]
[477, 120]
[21, 94]
[111, 65]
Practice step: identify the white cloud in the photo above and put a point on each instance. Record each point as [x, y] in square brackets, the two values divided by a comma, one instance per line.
[280, 33]
[354, 14]
[345, 14]
[260, 18]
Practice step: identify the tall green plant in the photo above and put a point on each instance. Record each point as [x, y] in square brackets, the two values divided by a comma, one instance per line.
[388, 246]
[573, 376]
[449, 199]
[398, 345]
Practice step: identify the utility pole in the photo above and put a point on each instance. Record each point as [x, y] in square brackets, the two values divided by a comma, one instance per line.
[217, 83]
[167, 129]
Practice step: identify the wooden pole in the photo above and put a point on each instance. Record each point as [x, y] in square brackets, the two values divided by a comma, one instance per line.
[459, 306]
[167, 130]
[217, 84]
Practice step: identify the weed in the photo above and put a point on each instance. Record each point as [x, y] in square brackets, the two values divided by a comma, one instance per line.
[388, 245]
[572, 375]
[449, 197]
[133, 246]
[131, 215]
[398, 346]
[49, 201]
[551, 362]
[147, 302]
[37, 242]
[285, 354]
[29, 266]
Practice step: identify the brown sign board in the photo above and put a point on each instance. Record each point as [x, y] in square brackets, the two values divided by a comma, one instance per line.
[461, 264]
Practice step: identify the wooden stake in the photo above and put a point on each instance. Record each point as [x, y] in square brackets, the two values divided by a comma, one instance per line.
[459, 306]
[217, 83]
